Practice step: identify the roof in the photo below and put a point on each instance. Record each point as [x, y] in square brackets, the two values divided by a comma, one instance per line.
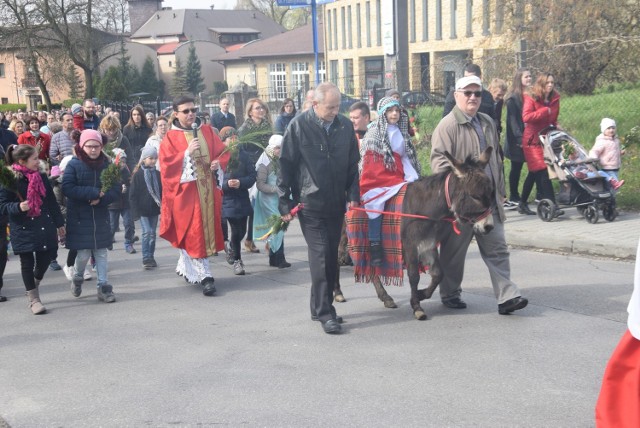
[196, 23]
[168, 48]
[292, 43]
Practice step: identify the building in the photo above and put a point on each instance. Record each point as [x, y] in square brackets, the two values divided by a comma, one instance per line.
[278, 67]
[413, 44]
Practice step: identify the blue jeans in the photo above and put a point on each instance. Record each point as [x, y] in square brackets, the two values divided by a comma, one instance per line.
[100, 256]
[127, 221]
[148, 225]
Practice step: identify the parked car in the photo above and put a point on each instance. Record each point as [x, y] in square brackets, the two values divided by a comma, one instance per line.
[415, 99]
[346, 101]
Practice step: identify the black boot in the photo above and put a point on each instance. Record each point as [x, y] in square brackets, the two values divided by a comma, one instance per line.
[376, 253]
[523, 208]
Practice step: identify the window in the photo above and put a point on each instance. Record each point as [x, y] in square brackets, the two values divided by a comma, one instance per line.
[299, 75]
[453, 12]
[335, 29]
[358, 25]
[333, 72]
[378, 23]
[277, 82]
[469, 32]
[347, 66]
[349, 30]
[499, 16]
[329, 34]
[425, 20]
[438, 19]
[322, 72]
[412, 17]
[4, 100]
[374, 69]
[344, 28]
[2, 70]
[170, 64]
[367, 17]
[485, 18]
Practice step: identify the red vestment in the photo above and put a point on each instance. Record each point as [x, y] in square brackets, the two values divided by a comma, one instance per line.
[181, 220]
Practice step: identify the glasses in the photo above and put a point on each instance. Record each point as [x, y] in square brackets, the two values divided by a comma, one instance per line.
[258, 108]
[188, 110]
[93, 147]
[468, 94]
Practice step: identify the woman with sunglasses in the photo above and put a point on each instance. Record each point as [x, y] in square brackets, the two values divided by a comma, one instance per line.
[540, 110]
[256, 129]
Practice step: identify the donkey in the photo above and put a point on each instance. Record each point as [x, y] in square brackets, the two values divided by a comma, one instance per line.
[461, 195]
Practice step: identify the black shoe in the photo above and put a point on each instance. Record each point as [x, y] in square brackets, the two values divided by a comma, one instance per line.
[512, 305]
[146, 263]
[455, 303]
[153, 262]
[285, 264]
[523, 208]
[332, 327]
[376, 253]
[3, 299]
[209, 289]
[315, 318]
[54, 265]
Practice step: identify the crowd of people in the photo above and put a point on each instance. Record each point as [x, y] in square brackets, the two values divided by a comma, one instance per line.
[196, 180]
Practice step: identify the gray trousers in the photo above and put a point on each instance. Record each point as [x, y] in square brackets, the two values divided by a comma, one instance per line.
[494, 252]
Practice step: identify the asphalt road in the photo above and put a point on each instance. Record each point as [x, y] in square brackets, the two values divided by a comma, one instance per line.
[164, 355]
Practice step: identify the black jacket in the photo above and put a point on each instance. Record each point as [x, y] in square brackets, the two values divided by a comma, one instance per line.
[88, 226]
[138, 136]
[317, 168]
[515, 128]
[7, 138]
[29, 234]
[140, 200]
[235, 202]
[218, 120]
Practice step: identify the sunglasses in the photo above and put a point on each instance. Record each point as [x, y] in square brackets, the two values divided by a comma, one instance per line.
[188, 110]
[468, 94]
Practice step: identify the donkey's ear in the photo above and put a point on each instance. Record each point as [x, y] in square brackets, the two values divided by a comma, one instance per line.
[485, 157]
[455, 165]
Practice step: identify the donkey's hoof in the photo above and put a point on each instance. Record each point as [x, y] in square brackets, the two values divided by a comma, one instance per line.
[389, 303]
[339, 297]
[420, 315]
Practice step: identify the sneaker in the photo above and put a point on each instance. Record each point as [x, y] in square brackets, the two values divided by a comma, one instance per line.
[616, 184]
[250, 247]
[153, 262]
[87, 275]
[69, 272]
[510, 205]
[105, 294]
[76, 286]
[147, 263]
[129, 248]
[229, 251]
[54, 265]
[238, 267]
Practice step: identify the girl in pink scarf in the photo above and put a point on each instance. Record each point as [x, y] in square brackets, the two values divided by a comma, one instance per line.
[34, 217]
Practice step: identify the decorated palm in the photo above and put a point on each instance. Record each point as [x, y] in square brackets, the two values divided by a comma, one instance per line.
[275, 223]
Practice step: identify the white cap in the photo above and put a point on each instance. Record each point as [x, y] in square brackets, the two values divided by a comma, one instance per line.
[607, 123]
[463, 82]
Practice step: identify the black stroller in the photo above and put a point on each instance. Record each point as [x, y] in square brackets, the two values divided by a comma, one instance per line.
[582, 185]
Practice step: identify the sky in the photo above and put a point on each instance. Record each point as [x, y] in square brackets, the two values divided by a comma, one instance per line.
[199, 4]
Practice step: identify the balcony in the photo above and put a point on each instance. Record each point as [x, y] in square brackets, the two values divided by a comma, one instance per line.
[29, 83]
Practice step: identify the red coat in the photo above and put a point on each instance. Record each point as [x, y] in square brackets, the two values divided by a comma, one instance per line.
[44, 140]
[536, 116]
[181, 220]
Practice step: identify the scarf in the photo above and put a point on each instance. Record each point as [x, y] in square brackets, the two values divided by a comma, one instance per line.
[377, 141]
[94, 164]
[35, 189]
[151, 180]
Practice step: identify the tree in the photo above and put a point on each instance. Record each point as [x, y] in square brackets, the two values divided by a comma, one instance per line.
[74, 82]
[148, 80]
[179, 83]
[193, 72]
[111, 86]
[269, 7]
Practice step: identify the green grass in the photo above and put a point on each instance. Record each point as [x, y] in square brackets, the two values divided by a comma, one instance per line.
[580, 116]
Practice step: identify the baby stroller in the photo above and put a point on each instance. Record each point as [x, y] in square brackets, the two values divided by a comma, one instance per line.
[582, 185]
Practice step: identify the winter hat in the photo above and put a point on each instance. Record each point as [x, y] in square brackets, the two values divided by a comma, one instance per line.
[148, 152]
[76, 108]
[463, 82]
[90, 134]
[226, 132]
[607, 123]
[391, 93]
[55, 171]
[385, 103]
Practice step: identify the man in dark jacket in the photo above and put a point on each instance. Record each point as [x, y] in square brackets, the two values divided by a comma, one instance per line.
[223, 118]
[7, 138]
[90, 118]
[318, 168]
[486, 102]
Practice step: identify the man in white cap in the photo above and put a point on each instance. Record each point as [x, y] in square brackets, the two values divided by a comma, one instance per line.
[466, 132]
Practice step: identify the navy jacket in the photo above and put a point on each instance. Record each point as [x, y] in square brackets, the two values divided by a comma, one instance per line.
[29, 234]
[218, 120]
[235, 202]
[87, 226]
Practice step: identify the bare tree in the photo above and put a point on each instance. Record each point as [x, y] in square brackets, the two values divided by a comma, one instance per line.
[269, 7]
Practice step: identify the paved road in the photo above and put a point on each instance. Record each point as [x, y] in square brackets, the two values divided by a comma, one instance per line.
[164, 355]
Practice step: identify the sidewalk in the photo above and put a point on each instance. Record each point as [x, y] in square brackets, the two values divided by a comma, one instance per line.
[572, 234]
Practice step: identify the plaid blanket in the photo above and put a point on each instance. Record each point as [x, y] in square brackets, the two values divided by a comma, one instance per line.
[391, 272]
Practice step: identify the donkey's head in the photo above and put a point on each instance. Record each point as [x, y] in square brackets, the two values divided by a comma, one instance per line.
[471, 192]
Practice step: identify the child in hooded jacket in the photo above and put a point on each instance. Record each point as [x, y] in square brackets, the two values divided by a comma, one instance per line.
[607, 149]
[145, 195]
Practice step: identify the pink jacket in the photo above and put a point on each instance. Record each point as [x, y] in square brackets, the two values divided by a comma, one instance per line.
[607, 151]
